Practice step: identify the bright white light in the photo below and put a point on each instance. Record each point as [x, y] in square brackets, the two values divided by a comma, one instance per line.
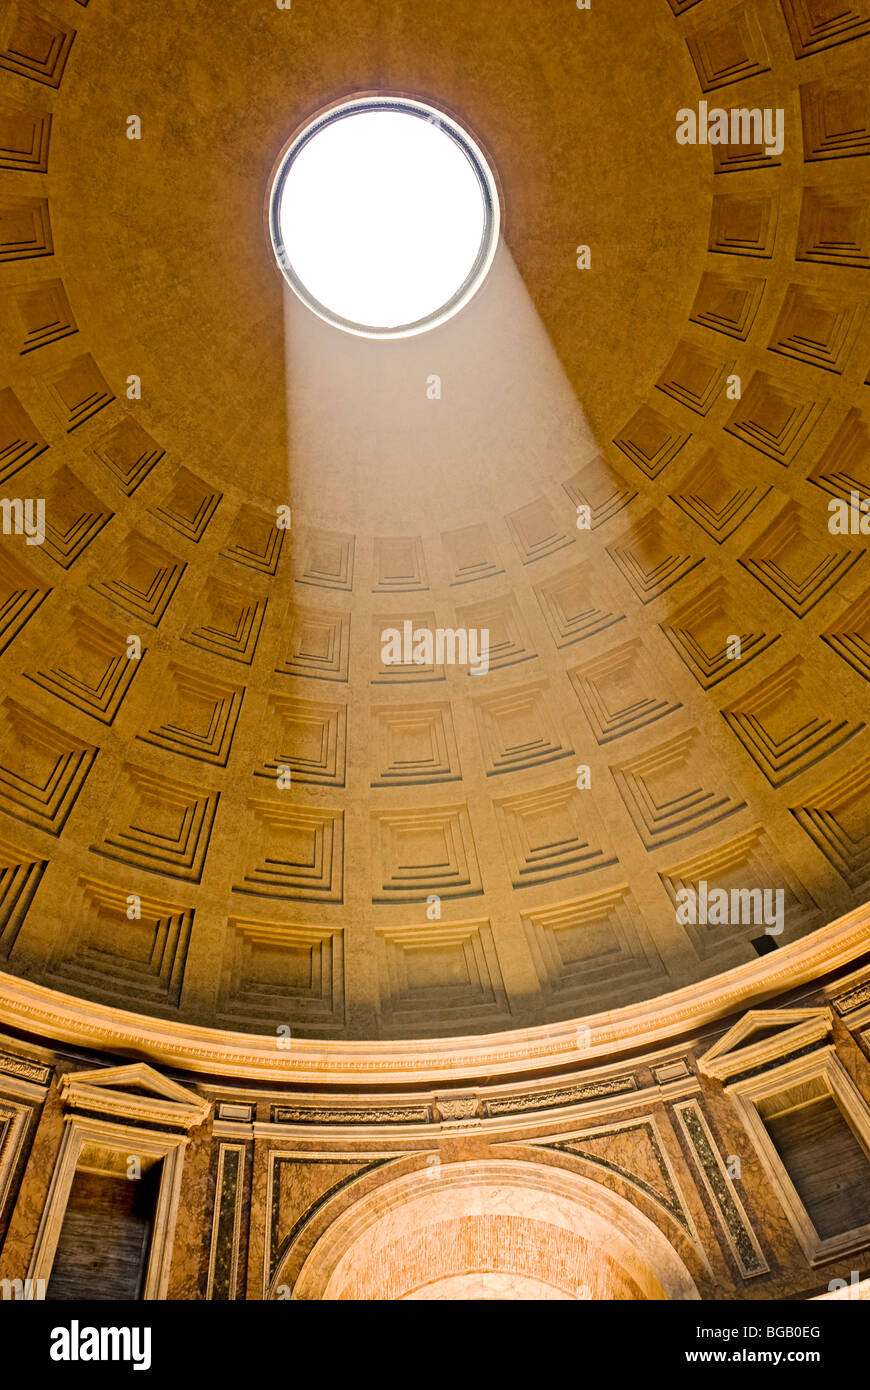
[384, 219]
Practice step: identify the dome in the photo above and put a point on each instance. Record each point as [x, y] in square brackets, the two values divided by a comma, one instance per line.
[436, 724]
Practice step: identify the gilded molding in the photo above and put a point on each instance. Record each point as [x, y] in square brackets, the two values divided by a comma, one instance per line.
[50, 1014]
[565, 1095]
[853, 999]
[23, 1067]
[795, 1030]
[103, 1092]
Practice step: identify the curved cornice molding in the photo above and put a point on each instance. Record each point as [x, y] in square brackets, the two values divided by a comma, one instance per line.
[48, 1014]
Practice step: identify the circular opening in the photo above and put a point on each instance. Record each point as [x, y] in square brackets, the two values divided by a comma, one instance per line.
[384, 217]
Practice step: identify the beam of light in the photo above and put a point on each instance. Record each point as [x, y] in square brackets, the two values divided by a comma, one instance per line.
[367, 444]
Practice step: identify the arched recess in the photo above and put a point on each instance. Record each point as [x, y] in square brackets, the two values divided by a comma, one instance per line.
[521, 1229]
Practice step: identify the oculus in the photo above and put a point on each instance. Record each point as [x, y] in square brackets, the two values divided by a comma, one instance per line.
[384, 216]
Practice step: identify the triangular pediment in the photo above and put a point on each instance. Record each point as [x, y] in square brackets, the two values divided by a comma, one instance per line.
[136, 1091]
[762, 1036]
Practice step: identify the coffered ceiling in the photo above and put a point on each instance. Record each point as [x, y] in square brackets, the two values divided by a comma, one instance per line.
[150, 786]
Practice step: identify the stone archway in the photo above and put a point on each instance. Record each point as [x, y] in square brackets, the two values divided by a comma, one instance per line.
[491, 1229]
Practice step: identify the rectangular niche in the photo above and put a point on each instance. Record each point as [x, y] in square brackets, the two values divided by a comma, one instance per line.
[108, 1222]
[812, 1128]
[105, 1235]
[105, 1239]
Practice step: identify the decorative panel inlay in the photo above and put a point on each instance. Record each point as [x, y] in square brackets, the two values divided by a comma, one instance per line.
[34, 43]
[653, 557]
[589, 947]
[471, 554]
[703, 633]
[231, 622]
[42, 768]
[20, 440]
[25, 132]
[278, 973]
[744, 224]
[141, 578]
[782, 727]
[773, 418]
[836, 118]
[729, 1209]
[422, 852]
[571, 607]
[295, 852]
[159, 824]
[797, 561]
[519, 729]
[25, 229]
[746, 863]
[817, 24]
[440, 972]
[199, 715]
[43, 313]
[835, 227]
[414, 745]
[673, 791]
[695, 377]
[536, 531]
[729, 49]
[317, 644]
[306, 740]
[651, 441]
[620, 692]
[599, 487]
[550, 835]
[106, 952]
[189, 505]
[716, 496]
[90, 671]
[836, 816]
[129, 453]
[728, 304]
[20, 876]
